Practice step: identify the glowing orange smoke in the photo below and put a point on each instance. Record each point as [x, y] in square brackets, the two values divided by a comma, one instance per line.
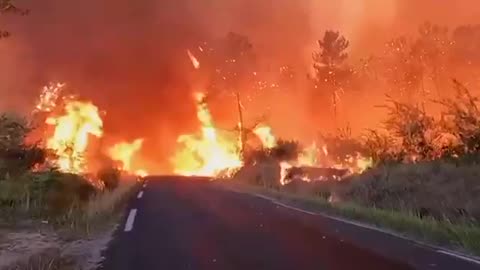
[124, 153]
[208, 153]
[193, 59]
[71, 135]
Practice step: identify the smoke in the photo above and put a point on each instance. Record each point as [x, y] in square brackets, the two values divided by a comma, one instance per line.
[129, 56]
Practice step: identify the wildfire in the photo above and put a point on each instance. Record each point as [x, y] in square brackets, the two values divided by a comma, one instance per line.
[49, 97]
[284, 168]
[212, 153]
[124, 152]
[309, 155]
[141, 173]
[208, 153]
[310, 167]
[264, 133]
[71, 135]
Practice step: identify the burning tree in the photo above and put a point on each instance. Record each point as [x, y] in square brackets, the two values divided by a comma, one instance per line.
[329, 65]
[234, 63]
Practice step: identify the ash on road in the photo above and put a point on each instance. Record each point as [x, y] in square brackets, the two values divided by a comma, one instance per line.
[185, 223]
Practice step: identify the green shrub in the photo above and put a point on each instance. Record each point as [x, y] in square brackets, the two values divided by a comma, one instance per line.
[17, 157]
[65, 191]
[45, 194]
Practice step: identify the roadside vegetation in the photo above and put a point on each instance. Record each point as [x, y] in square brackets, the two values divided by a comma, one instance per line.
[36, 196]
[422, 182]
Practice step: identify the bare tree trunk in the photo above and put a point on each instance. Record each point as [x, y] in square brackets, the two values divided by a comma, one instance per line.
[241, 124]
[335, 109]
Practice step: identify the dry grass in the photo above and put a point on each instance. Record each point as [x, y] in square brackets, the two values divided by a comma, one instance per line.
[438, 189]
[106, 202]
[47, 260]
[67, 240]
[99, 211]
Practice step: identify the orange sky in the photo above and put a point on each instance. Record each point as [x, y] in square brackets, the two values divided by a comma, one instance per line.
[129, 56]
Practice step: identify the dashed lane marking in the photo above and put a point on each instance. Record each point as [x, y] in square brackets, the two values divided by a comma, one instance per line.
[130, 220]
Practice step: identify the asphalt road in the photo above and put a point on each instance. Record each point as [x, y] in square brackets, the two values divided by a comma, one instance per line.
[185, 223]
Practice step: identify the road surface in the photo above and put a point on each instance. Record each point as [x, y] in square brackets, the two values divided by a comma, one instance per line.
[184, 223]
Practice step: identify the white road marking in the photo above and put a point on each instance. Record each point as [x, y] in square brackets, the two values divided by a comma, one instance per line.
[366, 226]
[140, 195]
[130, 220]
[459, 256]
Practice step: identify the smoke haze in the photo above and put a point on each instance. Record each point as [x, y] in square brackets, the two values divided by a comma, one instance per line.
[129, 58]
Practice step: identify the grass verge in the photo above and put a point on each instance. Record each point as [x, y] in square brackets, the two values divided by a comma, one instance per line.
[73, 236]
[99, 212]
[464, 238]
[47, 260]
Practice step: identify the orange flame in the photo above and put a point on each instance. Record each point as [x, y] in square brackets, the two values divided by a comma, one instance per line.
[124, 153]
[208, 153]
[141, 173]
[72, 131]
[264, 133]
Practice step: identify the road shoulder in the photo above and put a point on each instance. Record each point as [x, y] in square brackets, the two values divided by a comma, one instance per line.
[426, 255]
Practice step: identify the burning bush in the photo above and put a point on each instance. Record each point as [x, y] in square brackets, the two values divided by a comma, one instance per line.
[412, 135]
[343, 150]
[381, 148]
[286, 150]
[283, 150]
[28, 182]
[263, 165]
[414, 130]
[462, 118]
[110, 177]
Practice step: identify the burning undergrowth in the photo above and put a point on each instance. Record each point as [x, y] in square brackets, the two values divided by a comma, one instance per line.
[247, 91]
[419, 164]
[54, 166]
[72, 129]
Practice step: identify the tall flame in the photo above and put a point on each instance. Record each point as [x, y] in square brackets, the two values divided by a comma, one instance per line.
[208, 153]
[309, 155]
[72, 130]
[124, 153]
[264, 133]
